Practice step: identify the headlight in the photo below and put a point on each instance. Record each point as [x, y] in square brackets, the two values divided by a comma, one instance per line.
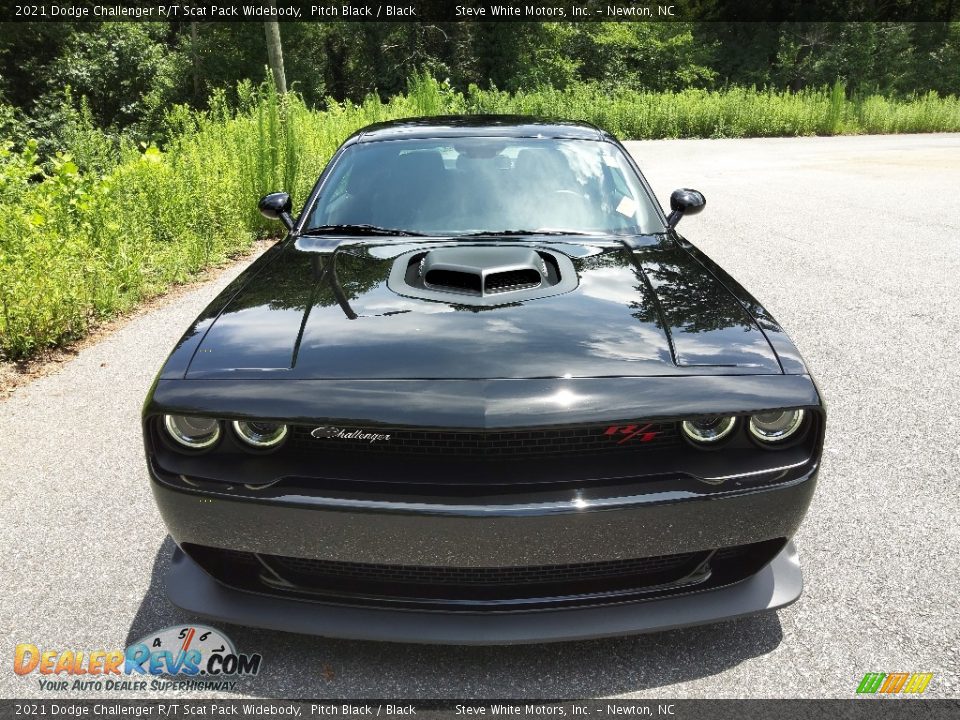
[260, 434]
[776, 426]
[709, 429]
[192, 432]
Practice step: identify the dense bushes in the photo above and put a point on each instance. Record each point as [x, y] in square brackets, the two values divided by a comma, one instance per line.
[735, 112]
[92, 233]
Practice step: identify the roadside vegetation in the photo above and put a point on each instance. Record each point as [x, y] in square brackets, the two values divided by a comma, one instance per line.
[104, 223]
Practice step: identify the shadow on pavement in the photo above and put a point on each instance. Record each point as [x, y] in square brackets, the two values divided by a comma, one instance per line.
[303, 666]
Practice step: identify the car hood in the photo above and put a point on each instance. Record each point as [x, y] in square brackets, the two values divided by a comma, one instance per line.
[323, 310]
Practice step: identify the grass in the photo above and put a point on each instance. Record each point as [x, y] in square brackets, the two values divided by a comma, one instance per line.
[89, 234]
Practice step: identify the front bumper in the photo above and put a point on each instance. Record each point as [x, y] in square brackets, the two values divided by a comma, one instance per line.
[565, 526]
[473, 539]
[775, 586]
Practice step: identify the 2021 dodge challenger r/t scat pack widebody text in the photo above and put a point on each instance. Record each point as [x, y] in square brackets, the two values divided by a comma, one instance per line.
[483, 392]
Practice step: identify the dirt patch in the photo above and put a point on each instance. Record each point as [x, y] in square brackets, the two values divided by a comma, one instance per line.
[49, 361]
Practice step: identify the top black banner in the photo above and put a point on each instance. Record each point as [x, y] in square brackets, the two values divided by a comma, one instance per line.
[484, 11]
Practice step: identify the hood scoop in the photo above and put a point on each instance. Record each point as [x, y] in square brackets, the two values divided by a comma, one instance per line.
[482, 275]
[482, 271]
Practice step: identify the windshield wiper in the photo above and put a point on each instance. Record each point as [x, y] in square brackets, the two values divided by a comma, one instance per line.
[498, 233]
[356, 230]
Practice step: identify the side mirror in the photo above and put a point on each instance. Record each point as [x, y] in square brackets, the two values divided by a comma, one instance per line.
[277, 206]
[684, 202]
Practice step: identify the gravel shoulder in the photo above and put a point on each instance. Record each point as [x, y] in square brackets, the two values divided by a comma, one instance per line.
[850, 241]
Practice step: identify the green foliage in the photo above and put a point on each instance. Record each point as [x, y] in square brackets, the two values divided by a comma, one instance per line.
[734, 112]
[645, 56]
[132, 73]
[93, 231]
[119, 70]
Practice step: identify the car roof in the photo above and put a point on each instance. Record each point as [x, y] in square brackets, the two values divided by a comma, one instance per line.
[478, 126]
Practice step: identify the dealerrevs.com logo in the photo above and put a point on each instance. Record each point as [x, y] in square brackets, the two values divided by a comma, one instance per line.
[202, 657]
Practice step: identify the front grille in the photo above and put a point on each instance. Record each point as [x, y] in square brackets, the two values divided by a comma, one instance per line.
[599, 439]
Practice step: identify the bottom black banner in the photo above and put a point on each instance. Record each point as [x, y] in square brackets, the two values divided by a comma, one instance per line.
[863, 708]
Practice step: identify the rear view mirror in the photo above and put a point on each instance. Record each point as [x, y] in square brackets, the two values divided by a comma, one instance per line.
[277, 206]
[684, 202]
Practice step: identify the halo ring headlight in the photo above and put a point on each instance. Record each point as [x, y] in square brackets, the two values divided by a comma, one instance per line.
[776, 426]
[196, 433]
[709, 430]
[258, 434]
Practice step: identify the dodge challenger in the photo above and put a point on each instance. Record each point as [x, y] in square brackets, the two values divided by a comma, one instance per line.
[482, 391]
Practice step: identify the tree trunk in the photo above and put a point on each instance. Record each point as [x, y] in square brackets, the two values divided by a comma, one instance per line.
[275, 52]
[195, 62]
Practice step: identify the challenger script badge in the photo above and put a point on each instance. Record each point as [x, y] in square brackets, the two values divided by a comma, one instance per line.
[335, 433]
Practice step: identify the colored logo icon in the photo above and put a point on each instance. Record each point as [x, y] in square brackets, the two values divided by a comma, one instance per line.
[894, 683]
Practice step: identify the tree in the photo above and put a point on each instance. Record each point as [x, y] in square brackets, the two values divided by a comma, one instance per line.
[275, 52]
[651, 56]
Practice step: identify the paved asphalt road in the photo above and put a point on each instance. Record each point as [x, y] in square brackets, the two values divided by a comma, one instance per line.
[851, 242]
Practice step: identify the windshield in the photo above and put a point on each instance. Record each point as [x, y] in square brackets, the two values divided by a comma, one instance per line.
[461, 186]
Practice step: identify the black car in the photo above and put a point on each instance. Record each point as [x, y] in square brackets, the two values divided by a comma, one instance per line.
[483, 392]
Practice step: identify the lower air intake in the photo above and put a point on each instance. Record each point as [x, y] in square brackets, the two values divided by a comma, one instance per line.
[484, 588]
